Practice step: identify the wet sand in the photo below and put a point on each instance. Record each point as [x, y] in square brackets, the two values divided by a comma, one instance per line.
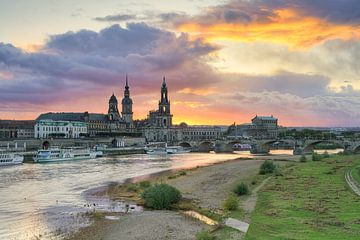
[206, 186]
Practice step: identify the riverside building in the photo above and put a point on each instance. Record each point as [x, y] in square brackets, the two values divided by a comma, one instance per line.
[60, 129]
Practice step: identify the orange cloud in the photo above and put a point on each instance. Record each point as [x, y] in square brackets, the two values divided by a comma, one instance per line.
[200, 92]
[285, 27]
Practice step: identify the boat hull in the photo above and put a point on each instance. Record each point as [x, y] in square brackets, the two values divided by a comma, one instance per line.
[17, 160]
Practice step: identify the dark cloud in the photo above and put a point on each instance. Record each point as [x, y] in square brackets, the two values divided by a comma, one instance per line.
[244, 11]
[116, 18]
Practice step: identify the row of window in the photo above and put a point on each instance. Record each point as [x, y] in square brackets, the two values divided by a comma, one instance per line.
[6, 160]
[62, 129]
[202, 133]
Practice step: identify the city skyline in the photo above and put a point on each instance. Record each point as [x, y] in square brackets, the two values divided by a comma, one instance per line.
[226, 62]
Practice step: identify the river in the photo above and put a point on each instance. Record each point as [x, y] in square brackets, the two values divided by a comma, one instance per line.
[42, 201]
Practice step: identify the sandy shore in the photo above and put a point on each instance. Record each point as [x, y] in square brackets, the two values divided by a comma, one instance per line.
[206, 186]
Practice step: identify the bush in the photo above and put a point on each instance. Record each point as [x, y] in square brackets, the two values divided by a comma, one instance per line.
[161, 196]
[303, 158]
[278, 172]
[241, 189]
[315, 156]
[132, 187]
[267, 167]
[204, 235]
[182, 173]
[231, 203]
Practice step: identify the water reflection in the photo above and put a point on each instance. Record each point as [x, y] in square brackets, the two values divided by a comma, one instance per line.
[48, 200]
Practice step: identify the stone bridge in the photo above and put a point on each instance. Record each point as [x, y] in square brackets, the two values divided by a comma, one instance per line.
[264, 146]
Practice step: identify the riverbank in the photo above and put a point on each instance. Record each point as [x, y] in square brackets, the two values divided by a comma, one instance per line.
[203, 188]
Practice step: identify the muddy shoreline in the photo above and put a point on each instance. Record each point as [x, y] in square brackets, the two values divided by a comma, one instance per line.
[206, 185]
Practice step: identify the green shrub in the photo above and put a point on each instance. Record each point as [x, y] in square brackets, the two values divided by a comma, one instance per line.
[145, 184]
[161, 196]
[204, 235]
[267, 167]
[278, 172]
[231, 203]
[182, 173]
[303, 158]
[315, 156]
[241, 189]
[132, 187]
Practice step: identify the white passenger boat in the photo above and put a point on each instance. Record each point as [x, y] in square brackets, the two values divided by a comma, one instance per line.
[155, 150]
[65, 154]
[7, 159]
[177, 150]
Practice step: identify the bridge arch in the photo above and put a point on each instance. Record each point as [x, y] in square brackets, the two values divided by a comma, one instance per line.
[206, 146]
[185, 144]
[309, 146]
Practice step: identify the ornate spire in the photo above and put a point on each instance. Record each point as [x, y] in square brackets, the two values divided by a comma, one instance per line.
[127, 84]
[164, 82]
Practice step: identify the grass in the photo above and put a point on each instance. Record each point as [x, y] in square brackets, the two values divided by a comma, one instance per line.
[355, 172]
[310, 201]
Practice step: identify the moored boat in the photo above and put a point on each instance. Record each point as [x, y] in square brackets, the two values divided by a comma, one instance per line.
[7, 159]
[177, 150]
[66, 154]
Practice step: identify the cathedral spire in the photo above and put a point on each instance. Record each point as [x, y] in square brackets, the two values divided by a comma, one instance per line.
[126, 85]
[164, 82]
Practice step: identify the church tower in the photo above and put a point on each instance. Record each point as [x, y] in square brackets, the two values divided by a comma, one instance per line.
[127, 103]
[164, 117]
[113, 112]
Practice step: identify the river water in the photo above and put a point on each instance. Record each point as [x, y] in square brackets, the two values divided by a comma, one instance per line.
[43, 201]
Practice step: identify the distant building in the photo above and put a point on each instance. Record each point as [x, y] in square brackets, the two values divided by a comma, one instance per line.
[200, 133]
[265, 127]
[16, 129]
[60, 129]
[261, 127]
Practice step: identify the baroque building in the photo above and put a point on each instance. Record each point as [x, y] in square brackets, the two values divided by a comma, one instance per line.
[98, 124]
[158, 126]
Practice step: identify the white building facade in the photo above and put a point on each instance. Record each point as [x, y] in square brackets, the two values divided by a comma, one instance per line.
[60, 129]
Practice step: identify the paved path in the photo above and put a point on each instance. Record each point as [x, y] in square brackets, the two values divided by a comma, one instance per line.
[237, 224]
[352, 184]
[248, 206]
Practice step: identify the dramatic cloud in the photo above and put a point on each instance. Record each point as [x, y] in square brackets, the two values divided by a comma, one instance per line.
[77, 64]
[293, 23]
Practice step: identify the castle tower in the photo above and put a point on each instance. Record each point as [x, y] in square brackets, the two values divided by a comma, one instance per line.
[164, 117]
[113, 112]
[127, 103]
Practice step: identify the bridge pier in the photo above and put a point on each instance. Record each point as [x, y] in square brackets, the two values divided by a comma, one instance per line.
[221, 147]
[259, 149]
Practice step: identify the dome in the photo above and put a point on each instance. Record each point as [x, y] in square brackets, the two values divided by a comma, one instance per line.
[113, 99]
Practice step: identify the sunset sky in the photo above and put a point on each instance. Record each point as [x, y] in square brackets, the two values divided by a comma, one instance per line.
[224, 61]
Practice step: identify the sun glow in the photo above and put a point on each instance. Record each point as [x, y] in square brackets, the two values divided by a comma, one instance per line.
[286, 27]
